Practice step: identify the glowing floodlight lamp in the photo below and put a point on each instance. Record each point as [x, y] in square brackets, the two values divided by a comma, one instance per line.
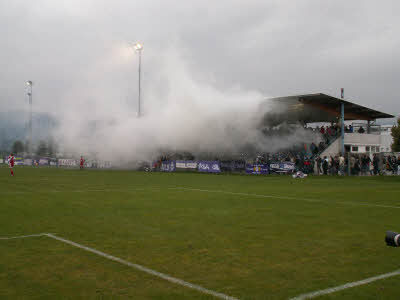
[138, 47]
[29, 83]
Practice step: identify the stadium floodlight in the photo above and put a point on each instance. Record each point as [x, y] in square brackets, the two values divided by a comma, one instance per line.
[138, 48]
[30, 85]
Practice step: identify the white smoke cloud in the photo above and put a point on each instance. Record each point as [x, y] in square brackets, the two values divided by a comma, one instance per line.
[180, 112]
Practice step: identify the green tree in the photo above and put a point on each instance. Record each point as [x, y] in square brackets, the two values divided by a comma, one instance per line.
[396, 137]
[42, 149]
[51, 147]
[18, 147]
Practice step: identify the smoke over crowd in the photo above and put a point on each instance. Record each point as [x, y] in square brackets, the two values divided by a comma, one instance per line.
[180, 113]
[207, 70]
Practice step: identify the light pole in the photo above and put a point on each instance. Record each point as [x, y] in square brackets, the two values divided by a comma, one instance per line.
[30, 90]
[138, 48]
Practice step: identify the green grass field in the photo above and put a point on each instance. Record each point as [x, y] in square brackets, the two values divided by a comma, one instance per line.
[249, 237]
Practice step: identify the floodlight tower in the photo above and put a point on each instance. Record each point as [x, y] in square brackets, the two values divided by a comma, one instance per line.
[30, 90]
[138, 48]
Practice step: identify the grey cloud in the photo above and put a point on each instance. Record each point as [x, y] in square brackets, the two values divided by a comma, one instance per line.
[79, 56]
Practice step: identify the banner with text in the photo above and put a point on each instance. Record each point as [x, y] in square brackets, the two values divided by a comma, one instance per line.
[282, 167]
[19, 161]
[257, 169]
[186, 164]
[168, 166]
[43, 161]
[209, 166]
[67, 162]
[232, 166]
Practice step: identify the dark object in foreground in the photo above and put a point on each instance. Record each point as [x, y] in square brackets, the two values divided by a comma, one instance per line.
[392, 239]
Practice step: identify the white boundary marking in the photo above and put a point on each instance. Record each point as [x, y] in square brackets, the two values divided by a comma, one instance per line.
[80, 191]
[22, 236]
[345, 286]
[198, 287]
[132, 265]
[207, 191]
[284, 197]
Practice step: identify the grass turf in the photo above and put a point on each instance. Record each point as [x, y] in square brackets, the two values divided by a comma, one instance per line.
[307, 235]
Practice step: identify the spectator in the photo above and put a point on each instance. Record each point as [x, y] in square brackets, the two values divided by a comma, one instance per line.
[353, 165]
[365, 160]
[375, 163]
[332, 166]
[314, 149]
[361, 129]
[333, 131]
[357, 167]
[319, 162]
[325, 165]
[329, 131]
[398, 165]
[341, 164]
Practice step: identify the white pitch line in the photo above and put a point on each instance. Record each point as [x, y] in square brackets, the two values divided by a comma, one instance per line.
[80, 191]
[22, 236]
[284, 197]
[345, 286]
[145, 269]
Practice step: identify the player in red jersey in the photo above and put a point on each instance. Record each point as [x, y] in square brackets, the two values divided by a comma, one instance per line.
[11, 162]
[81, 163]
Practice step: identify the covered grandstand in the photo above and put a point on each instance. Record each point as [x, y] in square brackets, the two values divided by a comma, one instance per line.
[363, 137]
[313, 108]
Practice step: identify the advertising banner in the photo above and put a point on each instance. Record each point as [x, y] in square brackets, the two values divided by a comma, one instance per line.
[53, 162]
[186, 164]
[28, 161]
[67, 162]
[257, 169]
[209, 166]
[43, 162]
[168, 166]
[282, 167]
[232, 166]
[19, 161]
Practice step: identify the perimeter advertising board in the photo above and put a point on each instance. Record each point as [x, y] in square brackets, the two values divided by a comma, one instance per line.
[282, 167]
[19, 161]
[257, 169]
[67, 162]
[168, 166]
[43, 162]
[186, 164]
[209, 166]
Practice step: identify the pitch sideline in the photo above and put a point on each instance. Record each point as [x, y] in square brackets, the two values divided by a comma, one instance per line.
[282, 197]
[345, 286]
[200, 288]
[132, 265]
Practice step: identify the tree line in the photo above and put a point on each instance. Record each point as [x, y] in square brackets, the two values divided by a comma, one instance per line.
[44, 148]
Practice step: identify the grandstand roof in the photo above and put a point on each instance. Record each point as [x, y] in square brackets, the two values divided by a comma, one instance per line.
[324, 108]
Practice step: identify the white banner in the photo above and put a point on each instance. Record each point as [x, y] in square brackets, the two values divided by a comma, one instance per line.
[67, 162]
[182, 164]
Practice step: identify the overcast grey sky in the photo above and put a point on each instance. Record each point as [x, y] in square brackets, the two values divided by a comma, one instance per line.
[77, 51]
